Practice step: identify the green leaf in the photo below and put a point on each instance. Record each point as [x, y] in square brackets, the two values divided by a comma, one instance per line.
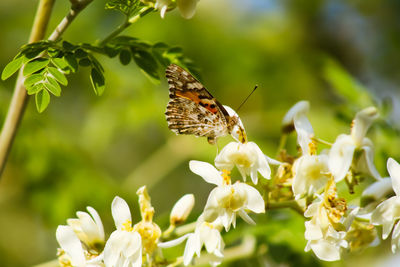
[127, 7]
[125, 56]
[85, 62]
[61, 64]
[35, 65]
[111, 51]
[33, 79]
[147, 63]
[71, 61]
[52, 86]
[34, 89]
[97, 80]
[80, 53]
[58, 75]
[42, 99]
[54, 52]
[68, 46]
[12, 68]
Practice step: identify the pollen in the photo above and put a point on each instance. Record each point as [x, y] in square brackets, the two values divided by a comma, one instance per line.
[150, 233]
[312, 146]
[226, 176]
[127, 226]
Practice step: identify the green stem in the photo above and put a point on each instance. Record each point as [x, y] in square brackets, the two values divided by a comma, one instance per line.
[321, 141]
[128, 22]
[184, 229]
[178, 262]
[168, 232]
[282, 144]
[76, 8]
[292, 204]
[20, 97]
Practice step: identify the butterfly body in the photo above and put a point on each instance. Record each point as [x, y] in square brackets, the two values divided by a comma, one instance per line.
[193, 110]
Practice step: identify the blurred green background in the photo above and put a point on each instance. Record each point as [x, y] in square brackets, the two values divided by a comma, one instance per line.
[84, 150]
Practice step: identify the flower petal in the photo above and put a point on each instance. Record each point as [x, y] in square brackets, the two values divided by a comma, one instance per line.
[341, 156]
[70, 243]
[192, 245]
[263, 166]
[304, 132]
[222, 160]
[394, 171]
[246, 217]
[206, 171]
[325, 250]
[114, 246]
[362, 122]
[120, 212]
[300, 107]
[255, 202]
[97, 220]
[379, 189]
[366, 160]
[174, 242]
[384, 215]
[134, 243]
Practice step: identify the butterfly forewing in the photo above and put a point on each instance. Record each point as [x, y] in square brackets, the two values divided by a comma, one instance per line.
[191, 108]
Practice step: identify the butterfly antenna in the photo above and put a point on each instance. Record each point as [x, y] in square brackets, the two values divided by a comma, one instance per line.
[255, 87]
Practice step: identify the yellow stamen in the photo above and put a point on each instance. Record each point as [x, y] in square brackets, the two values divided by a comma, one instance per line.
[226, 176]
[127, 226]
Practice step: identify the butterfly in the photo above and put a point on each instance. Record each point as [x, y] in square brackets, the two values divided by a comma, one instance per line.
[193, 110]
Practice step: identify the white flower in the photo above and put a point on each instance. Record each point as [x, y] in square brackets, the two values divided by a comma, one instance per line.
[327, 218]
[89, 229]
[388, 212]
[247, 157]
[226, 200]
[207, 234]
[297, 117]
[343, 150]
[124, 247]
[311, 173]
[76, 255]
[181, 209]
[187, 8]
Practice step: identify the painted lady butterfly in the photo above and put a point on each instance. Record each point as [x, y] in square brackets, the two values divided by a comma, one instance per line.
[193, 110]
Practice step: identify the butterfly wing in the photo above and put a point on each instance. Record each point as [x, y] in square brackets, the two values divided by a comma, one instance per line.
[191, 108]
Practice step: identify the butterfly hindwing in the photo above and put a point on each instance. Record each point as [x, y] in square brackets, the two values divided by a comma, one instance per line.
[192, 109]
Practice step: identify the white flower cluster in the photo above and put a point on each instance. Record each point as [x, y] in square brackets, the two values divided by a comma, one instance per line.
[306, 182]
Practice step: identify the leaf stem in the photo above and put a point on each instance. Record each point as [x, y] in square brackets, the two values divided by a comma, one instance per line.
[128, 22]
[20, 97]
[76, 8]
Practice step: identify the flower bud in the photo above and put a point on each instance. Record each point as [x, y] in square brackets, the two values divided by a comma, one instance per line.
[182, 209]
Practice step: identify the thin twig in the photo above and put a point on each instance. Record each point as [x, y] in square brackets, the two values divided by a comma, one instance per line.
[20, 97]
[128, 22]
